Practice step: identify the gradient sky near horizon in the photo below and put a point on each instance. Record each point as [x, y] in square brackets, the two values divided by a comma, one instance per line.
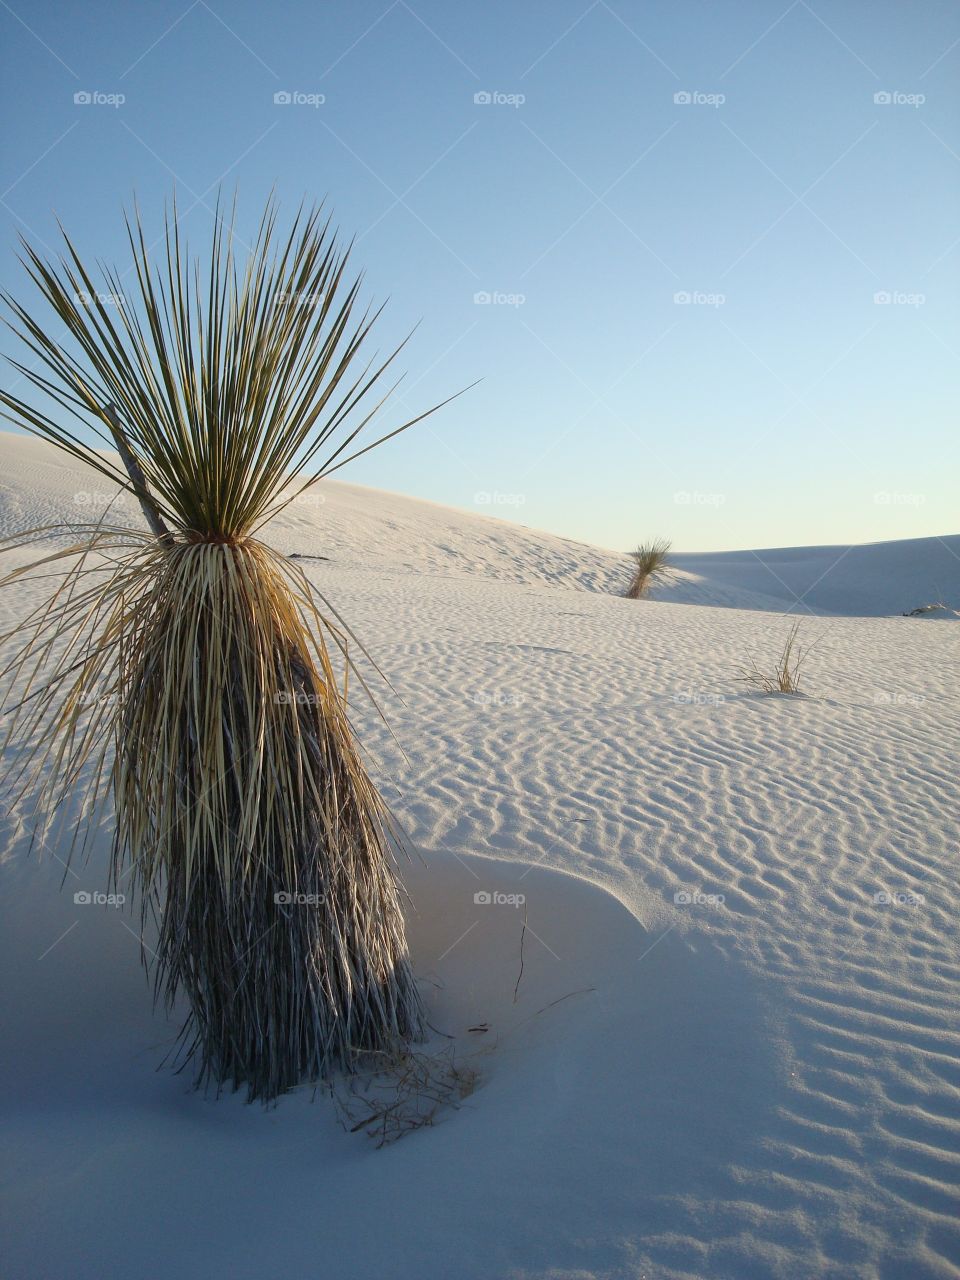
[703, 256]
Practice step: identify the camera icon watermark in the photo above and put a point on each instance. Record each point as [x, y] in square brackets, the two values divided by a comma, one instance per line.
[497, 698]
[886, 498]
[95, 98]
[898, 298]
[95, 698]
[483, 298]
[689, 898]
[695, 98]
[83, 298]
[492, 898]
[694, 498]
[893, 698]
[283, 899]
[697, 698]
[94, 898]
[895, 98]
[488, 498]
[494, 98]
[88, 498]
[697, 298]
[298, 298]
[884, 899]
[297, 98]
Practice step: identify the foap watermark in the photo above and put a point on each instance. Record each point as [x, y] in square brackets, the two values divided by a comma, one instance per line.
[697, 98]
[493, 898]
[495, 98]
[297, 98]
[694, 498]
[96, 98]
[697, 298]
[904, 898]
[896, 698]
[896, 98]
[483, 298]
[97, 698]
[486, 498]
[697, 698]
[90, 498]
[283, 899]
[298, 699]
[898, 298]
[84, 298]
[496, 698]
[891, 498]
[295, 298]
[94, 898]
[308, 500]
[690, 898]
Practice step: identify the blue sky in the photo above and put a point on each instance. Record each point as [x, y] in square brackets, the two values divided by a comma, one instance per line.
[687, 218]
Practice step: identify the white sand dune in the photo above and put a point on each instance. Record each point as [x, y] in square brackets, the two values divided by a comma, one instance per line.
[763, 1086]
[367, 529]
[875, 579]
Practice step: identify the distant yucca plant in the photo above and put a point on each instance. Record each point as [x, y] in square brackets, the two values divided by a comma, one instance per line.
[187, 670]
[650, 565]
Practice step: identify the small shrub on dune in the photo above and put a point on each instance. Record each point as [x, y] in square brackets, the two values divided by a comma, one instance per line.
[785, 677]
[925, 610]
[650, 566]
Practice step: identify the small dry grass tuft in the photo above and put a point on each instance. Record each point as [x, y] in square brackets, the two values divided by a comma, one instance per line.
[786, 676]
[403, 1092]
[650, 565]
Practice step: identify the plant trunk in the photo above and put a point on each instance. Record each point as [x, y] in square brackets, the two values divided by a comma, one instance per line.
[288, 943]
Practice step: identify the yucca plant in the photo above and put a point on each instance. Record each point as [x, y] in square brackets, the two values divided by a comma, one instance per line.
[192, 674]
[650, 565]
